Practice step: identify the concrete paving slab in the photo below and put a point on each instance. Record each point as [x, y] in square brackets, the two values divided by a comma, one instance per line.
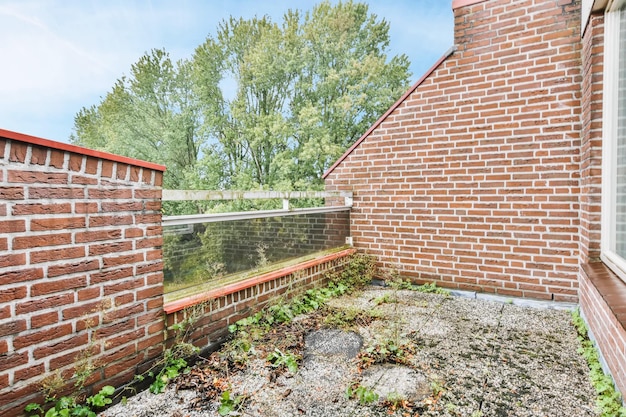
[396, 380]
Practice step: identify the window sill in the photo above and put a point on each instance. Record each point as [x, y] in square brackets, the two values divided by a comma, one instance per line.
[610, 287]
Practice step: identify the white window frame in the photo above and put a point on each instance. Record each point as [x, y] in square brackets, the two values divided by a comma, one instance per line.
[609, 155]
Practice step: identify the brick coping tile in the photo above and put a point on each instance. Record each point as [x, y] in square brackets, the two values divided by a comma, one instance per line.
[34, 140]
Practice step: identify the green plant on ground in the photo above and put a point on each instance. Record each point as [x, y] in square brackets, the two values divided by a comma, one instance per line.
[279, 358]
[436, 387]
[67, 406]
[172, 366]
[84, 366]
[240, 349]
[386, 351]
[363, 394]
[385, 299]
[358, 272]
[228, 403]
[349, 317]
[451, 407]
[428, 288]
[608, 399]
[173, 362]
[396, 401]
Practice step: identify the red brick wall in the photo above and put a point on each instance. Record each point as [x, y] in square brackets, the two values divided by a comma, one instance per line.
[591, 138]
[80, 267]
[225, 306]
[472, 181]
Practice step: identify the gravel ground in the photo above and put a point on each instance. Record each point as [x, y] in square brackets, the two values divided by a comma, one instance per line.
[463, 357]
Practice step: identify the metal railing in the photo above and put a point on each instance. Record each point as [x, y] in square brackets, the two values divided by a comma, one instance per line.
[286, 196]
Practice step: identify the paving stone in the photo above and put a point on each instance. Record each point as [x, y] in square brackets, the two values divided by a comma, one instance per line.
[397, 380]
[332, 342]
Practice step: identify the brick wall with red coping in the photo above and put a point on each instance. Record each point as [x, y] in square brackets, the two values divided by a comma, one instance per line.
[471, 179]
[215, 310]
[80, 265]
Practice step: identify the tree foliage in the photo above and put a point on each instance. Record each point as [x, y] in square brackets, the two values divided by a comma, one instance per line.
[258, 105]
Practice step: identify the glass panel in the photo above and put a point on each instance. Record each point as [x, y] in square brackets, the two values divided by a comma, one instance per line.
[620, 210]
[218, 253]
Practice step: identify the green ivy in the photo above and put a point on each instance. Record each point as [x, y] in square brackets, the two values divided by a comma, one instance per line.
[358, 272]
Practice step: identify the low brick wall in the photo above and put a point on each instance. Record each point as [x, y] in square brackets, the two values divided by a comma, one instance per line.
[219, 308]
[80, 266]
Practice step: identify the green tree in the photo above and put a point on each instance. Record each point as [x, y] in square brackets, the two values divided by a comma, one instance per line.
[345, 82]
[304, 91]
[153, 114]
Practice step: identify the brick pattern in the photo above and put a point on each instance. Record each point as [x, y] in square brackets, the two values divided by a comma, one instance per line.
[218, 313]
[601, 303]
[473, 180]
[80, 268]
[591, 138]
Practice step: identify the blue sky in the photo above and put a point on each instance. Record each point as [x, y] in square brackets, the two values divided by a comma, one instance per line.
[60, 55]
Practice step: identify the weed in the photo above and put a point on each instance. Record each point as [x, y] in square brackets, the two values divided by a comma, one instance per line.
[67, 406]
[608, 399]
[357, 273]
[240, 349]
[52, 384]
[386, 351]
[173, 362]
[385, 299]
[350, 317]
[84, 366]
[172, 367]
[436, 387]
[228, 404]
[477, 413]
[363, 394]
[451, 407]
[396, 401]
[428, 288]
[278, 358]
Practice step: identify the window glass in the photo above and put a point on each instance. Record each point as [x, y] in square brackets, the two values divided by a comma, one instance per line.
[620, 191]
